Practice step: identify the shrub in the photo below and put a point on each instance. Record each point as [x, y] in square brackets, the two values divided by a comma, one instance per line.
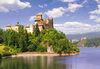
[6, 53]
[6, 48]
[41, 48]
[77, 50]
[32, 48]
[74, 51]
[0, 56]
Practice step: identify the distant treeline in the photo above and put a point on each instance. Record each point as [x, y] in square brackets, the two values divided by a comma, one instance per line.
[94, 42]
[22, 41]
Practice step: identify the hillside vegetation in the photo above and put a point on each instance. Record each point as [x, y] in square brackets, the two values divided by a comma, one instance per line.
[94, 42]
[22, 41]
[6, 51]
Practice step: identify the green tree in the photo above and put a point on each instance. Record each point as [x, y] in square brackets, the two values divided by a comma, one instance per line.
[10, 37]
[37, 30]
[1, 35]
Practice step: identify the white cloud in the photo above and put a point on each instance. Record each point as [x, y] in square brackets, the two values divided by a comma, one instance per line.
[12, 5]
[77, 27]
[72, 7]
[42, 6]
[32, 18]
[85, 1]
[97, 11]
[55, 12]
[68, 0]
[95, 18]
[58, 12]
[98, 1]
[95, 14]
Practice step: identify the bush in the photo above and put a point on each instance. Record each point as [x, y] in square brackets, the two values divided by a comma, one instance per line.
[6, 48]
[18, 50]
[31, 48]
[6, 53]
[0, 56]
[41, 48]
[77, 50]
[74, 51]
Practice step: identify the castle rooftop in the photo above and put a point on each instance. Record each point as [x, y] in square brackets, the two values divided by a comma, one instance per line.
[17, 24]
[8, 25]
[27, 26]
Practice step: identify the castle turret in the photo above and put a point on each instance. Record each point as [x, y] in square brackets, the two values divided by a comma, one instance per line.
[17, 24]
[8, 26]
[39, 17]
[16, 27]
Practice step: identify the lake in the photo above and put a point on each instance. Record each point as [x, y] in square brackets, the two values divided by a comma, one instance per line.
[89, 58]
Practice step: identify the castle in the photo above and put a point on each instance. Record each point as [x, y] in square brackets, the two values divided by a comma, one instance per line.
[42, 24]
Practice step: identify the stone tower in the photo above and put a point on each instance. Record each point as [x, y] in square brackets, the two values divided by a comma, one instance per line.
[43, 24]
[39, 16]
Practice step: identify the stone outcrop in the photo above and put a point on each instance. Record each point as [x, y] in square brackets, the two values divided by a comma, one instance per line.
[50, 49]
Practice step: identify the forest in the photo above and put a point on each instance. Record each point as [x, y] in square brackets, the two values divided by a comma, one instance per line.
[37, 41]
[94, 42]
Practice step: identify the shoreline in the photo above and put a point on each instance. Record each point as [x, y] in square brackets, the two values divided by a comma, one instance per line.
[88, 47]
[25, 54]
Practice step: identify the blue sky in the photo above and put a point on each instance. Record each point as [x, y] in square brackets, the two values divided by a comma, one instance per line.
[70, 16]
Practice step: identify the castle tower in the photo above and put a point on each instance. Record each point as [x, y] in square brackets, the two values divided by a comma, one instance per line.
[39, 17]
[39, 21]
[50, 20]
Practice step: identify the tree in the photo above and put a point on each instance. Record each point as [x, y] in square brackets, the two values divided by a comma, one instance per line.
[37, 41]
[10, 37]
[23, 38]
[1, 35]
[37, 30]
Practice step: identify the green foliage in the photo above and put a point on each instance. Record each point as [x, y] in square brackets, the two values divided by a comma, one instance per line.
[41, 48]
[22, 41]
[32, 47]
[37, 30]
[1, 35]
[6, 51]
[0, 56]
[57, 40]
[94, 42]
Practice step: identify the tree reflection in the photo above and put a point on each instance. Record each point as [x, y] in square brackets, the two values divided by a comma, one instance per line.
[31, 62]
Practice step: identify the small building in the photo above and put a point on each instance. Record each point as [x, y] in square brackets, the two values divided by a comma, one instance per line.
[15, 28]
[30, 28]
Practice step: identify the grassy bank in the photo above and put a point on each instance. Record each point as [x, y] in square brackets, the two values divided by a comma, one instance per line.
[6, 51]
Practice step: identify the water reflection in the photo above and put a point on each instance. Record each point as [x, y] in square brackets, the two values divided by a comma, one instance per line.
[89, 58]
[31, 62]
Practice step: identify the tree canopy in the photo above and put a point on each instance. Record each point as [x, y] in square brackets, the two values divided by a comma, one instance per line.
[23, 41]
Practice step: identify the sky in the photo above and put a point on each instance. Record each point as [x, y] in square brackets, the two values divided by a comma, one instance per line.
[70, 16]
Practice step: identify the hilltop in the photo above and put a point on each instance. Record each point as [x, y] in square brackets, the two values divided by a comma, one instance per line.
[48, 40]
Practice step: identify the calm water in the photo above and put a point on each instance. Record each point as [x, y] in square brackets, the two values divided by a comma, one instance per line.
[89, 58]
